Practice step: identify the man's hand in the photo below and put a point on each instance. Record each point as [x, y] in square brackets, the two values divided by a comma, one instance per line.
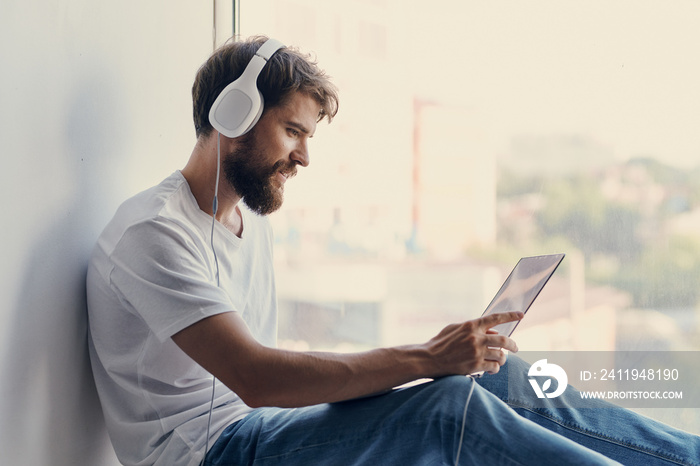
[472, 346]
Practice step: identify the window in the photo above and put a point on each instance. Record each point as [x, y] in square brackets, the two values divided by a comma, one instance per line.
[473, 133]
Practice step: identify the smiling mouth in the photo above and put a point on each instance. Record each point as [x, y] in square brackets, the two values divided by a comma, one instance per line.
[283, 176]
[286, 174]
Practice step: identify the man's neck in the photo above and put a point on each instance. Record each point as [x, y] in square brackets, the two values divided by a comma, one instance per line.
[200, 174]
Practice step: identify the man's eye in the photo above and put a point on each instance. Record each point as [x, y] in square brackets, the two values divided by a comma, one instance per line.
[293, 132]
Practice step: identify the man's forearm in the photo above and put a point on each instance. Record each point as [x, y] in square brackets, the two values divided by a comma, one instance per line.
[293, 379]
[263, 376]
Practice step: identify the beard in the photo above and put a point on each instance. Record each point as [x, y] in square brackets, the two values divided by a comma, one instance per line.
[252, 177]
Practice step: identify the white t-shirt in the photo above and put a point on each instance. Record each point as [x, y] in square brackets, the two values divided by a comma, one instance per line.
[152, 274]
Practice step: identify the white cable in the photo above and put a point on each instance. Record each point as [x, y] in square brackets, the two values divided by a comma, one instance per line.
[211, 407]
[464, 419]
[215, 203]
[214, 208]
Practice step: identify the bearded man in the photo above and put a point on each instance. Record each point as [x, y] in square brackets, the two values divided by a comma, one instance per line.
[183, 321]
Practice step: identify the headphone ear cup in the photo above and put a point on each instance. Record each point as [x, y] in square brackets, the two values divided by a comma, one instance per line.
[236, 109]
[257, 116]
[239, 106]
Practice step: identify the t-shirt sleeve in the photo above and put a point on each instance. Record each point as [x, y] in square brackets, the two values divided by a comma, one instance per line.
[166, 275]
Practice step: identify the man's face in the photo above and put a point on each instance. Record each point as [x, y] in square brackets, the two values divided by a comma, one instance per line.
[270, 153]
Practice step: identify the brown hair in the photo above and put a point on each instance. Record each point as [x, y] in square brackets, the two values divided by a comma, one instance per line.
[288, 71]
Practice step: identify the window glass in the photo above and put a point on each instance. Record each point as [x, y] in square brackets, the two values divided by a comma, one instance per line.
[473, 133]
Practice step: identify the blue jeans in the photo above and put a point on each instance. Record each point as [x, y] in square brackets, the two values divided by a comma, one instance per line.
[421, 425]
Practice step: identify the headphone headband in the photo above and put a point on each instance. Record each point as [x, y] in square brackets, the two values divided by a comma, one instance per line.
[268, 49]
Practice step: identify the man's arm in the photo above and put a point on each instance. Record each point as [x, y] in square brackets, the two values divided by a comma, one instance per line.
[264, 376]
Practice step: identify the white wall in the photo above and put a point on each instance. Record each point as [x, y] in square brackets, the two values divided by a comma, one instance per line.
[94, 106]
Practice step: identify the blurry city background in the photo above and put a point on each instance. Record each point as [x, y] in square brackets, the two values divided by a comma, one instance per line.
[473, 133]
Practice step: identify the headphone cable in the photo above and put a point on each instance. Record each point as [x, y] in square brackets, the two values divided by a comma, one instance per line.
[214, 208]
[464, 419]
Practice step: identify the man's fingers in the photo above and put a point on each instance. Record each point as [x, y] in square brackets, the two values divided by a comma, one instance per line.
[492, 367]
[492, 320]
[497, 355]
[501, 341]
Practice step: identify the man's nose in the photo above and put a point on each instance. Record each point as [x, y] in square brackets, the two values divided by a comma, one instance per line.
[301, 154]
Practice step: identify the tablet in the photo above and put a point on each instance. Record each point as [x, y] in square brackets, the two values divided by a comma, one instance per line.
[522, 286]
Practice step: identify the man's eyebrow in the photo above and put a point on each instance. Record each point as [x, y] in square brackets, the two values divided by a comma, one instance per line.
[298, 126]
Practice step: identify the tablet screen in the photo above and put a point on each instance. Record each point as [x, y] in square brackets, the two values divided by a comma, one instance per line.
[521, 287]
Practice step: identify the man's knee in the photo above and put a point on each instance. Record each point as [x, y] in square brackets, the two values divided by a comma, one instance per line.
[453, 383]
[447, 395]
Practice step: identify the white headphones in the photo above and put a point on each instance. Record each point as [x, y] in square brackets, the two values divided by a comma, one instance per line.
[239, 106]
